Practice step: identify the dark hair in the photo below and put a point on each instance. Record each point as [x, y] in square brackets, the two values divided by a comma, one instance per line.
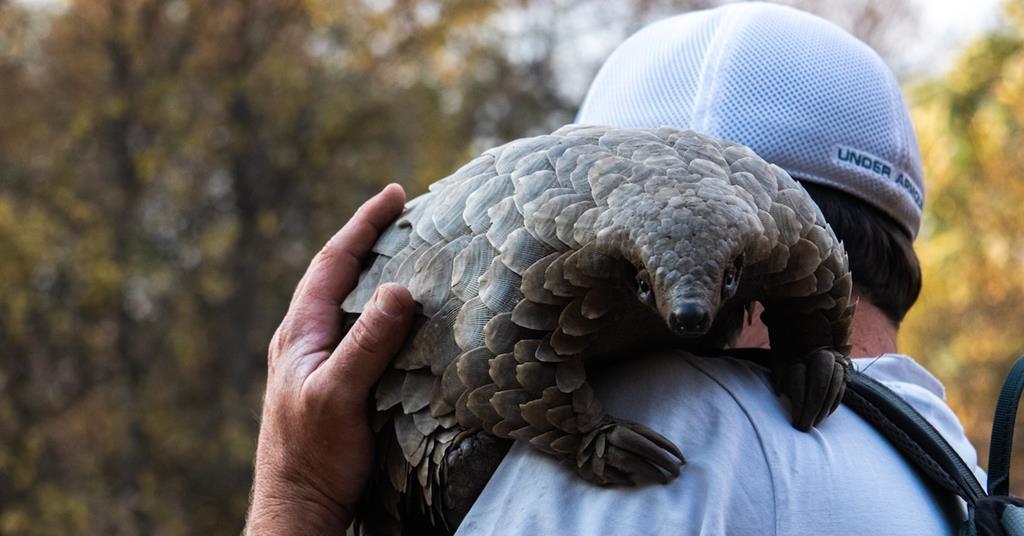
[882, 258]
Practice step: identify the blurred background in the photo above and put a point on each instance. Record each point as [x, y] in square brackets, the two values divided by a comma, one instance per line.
[169, 167]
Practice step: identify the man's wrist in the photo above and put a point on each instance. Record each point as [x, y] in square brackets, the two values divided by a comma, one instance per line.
[282, 507]
[270, 515]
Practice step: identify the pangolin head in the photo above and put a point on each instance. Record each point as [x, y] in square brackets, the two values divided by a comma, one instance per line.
[688, 242]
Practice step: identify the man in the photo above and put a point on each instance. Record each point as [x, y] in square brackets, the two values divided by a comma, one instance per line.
[812, 99]
[803, 94]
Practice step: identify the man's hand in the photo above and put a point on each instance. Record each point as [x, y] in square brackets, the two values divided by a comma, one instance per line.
[315, 446]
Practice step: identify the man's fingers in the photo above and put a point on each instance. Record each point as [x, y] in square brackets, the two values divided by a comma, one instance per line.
[365, 351]
[333, 271]
[332, 274]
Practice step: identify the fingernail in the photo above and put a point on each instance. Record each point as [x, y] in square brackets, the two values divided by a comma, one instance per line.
[387, 303]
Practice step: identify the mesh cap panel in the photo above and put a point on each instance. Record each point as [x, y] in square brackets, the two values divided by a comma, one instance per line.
[800, 91]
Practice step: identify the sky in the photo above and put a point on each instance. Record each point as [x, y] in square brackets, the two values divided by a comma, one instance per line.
[948, 25]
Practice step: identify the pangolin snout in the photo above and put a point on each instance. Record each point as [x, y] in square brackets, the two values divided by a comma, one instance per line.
[689, 320]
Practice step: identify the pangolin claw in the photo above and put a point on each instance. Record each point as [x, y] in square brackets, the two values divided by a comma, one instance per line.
[626, 453]
[814, 386]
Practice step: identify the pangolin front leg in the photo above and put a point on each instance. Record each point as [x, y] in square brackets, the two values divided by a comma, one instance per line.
[535, 395]
[566, 420]
[810, 356]
[574, 297]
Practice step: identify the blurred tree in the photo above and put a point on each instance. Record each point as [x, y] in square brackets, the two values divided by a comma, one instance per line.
[970, 126]
[167, 168]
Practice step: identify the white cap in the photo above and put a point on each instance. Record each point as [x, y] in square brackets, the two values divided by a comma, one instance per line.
[798, 90]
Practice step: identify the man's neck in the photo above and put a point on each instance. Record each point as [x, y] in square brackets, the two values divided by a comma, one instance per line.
[872, 333]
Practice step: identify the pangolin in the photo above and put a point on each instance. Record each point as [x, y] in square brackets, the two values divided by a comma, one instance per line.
[546, 255]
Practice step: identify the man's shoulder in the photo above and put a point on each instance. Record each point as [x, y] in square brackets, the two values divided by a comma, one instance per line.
[748, 471]
[687, 399]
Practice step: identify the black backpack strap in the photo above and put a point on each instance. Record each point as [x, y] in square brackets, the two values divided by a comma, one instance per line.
[904, 427]
[926, 449]
[1002, 431]
[913, 435]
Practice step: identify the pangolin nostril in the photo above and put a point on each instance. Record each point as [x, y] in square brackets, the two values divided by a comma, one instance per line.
[689, 319]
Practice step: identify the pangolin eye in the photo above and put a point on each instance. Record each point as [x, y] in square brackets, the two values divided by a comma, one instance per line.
[730, 278]
[643, 286]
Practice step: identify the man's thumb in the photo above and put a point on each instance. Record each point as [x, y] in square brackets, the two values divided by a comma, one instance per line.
[361, 357]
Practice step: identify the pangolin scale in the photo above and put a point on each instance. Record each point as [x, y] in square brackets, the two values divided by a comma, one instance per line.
[543, 256]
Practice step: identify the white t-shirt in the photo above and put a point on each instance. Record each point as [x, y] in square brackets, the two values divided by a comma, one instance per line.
[748, 471]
